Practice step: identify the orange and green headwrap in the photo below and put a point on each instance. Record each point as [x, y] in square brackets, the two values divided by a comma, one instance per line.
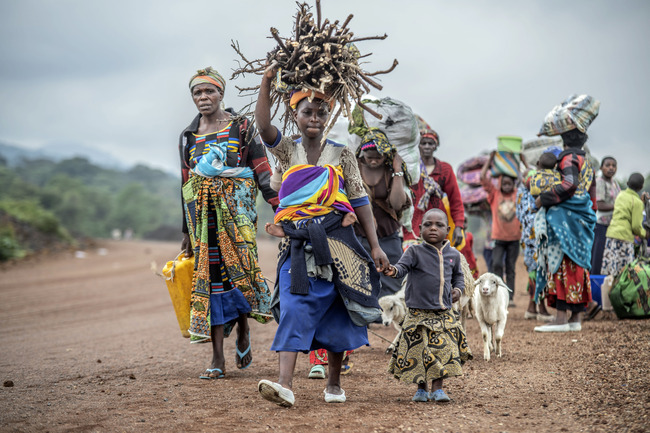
[299, 95]
[210, 76]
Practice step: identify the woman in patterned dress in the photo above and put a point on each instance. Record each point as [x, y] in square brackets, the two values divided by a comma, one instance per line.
[222, 167]
[564, 229]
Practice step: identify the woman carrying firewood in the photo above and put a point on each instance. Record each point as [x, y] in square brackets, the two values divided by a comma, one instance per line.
[327, 286]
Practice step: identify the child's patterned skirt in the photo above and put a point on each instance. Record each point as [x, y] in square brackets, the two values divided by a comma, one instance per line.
[432, 346]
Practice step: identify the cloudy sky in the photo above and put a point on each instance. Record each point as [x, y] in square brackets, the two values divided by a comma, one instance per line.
[112, 75]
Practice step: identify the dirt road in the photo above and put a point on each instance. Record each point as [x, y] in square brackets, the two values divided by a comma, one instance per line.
[92, 344]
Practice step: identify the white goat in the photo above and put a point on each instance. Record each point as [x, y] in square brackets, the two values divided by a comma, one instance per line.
[491, 308]
[393, 310]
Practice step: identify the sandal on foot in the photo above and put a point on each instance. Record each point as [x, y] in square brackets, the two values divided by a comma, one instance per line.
[421, 396]
[240, 355]
[439, 396]
[317, 372]
[530, 316]
[575, 326]
[545, 317]
[345, 369]
[276, 393]
[334, 398]
[553, 328]
[213, 373]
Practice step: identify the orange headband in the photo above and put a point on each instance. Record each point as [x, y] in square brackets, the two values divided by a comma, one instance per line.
[299, 95]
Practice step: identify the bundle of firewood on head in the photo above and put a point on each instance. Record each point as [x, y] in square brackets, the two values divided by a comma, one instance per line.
[321, 58]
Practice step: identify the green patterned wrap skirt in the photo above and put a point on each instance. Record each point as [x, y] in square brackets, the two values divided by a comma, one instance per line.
[433, 345]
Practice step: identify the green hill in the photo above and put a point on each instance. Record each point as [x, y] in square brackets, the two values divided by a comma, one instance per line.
[74, 199]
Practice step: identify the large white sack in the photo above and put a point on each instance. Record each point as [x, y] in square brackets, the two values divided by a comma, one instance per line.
[401, 128]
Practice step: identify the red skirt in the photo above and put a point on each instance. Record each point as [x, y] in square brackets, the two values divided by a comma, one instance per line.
[319, 357]
[570, 284]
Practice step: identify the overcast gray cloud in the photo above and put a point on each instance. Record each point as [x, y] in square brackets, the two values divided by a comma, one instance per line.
[113, 74]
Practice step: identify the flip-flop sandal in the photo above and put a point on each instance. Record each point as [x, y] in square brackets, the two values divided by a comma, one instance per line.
[210, 374]
[276, 393]
[345, 369]
[317, 372]
[240, 355]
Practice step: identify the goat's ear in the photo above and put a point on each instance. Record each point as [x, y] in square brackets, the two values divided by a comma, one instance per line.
[502, 283]
[480, 280]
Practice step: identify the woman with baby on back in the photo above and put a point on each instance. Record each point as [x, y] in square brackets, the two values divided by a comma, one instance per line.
[433, 345]
[565, 222]
[327, 284]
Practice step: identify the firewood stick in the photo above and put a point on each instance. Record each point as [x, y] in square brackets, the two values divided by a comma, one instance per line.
[369, 110]
[395, 63]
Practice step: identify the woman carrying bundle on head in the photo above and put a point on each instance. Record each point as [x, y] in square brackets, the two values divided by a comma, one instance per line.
[327, 284]
[222, 167]
[564, 225]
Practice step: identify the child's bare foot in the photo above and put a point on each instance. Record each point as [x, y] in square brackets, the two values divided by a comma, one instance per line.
[349, 219]
[274, 230]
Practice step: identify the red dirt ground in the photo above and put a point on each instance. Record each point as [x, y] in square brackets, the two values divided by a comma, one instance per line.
[93, 345]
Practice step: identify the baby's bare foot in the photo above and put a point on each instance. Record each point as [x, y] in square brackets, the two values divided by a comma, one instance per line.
[274, 230]
[349, 219]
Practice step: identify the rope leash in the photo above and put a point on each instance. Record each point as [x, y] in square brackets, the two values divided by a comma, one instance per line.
[377, 335]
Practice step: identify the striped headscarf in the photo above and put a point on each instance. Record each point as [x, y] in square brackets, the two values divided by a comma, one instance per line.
[209, 76]
[430, 133]
[426, 130]
[375, 138]
[310, 190]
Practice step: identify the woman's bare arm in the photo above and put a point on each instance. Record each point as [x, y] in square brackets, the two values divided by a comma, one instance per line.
[268, 132]
[365, 218]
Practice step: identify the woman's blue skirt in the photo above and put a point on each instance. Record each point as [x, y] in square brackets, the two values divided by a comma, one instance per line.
[227, 306]
[317, 320]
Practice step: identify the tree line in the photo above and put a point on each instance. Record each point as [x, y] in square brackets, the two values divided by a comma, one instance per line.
[75, 199]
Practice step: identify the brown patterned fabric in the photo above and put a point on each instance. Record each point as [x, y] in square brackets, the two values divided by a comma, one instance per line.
[432, 346]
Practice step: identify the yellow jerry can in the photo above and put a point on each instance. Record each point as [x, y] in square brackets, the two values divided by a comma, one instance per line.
[178, 276]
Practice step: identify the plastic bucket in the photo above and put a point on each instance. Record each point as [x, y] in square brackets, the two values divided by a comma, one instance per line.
[509, 143]
[596, 287]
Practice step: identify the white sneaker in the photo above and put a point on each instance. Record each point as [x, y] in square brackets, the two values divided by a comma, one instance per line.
[276, 393]
[334, 398]
[575, 326]
[553, 328]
